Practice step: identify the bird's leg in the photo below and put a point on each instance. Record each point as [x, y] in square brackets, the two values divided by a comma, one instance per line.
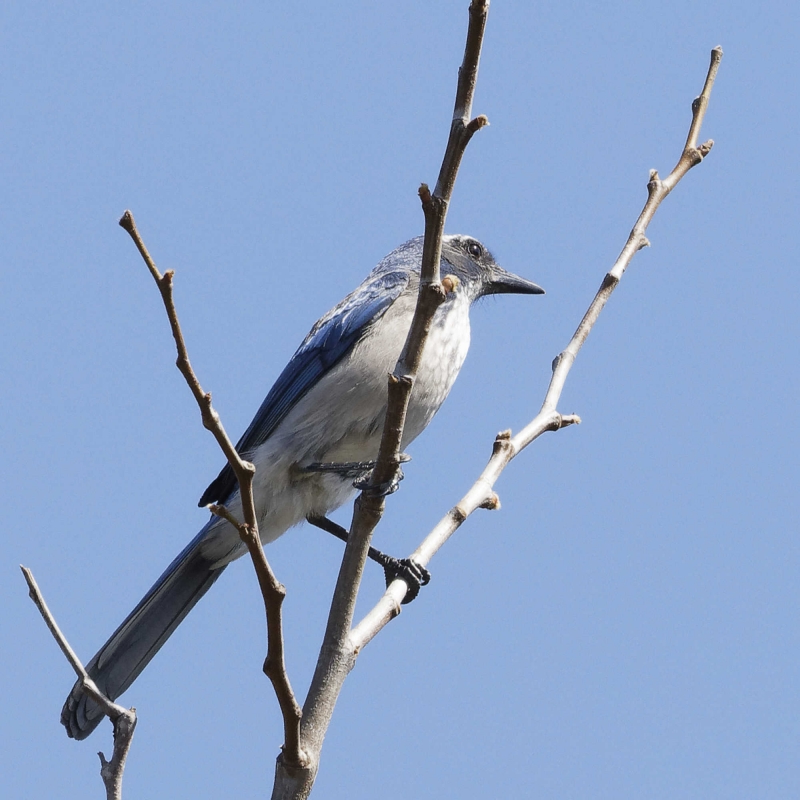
[408, 570]
[359, 472]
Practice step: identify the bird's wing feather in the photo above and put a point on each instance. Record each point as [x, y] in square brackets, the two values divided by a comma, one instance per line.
[327, 343]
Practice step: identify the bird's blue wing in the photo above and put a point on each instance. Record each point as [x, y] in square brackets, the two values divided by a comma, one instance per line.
[327, 343]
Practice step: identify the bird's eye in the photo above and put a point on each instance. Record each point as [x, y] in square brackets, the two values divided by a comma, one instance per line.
[474, 249]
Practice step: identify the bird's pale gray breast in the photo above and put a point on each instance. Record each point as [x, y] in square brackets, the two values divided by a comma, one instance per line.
[442, 359]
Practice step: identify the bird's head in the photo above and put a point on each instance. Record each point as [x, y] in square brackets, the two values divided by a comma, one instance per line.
[475, 268]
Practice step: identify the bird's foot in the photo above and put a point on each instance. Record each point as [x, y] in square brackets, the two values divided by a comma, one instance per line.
[345, 469]
[380, 489]
[406, 569]
[414, 575]
[360, 473]
[386, 487]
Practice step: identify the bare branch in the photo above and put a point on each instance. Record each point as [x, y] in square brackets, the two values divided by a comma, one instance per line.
[337, 656]
[123, 719]
[506, 446]
[272, 591]
[61, 640]
[211, 421]
[434, 206]
[112, 771]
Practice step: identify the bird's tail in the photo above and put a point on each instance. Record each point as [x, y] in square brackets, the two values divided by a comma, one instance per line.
[120, 660]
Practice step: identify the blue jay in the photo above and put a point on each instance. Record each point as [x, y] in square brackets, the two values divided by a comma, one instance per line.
[319, 426]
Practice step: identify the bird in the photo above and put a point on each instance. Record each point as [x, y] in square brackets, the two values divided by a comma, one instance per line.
[318, 428]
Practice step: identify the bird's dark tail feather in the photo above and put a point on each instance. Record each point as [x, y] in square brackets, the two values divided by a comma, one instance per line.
[120, 660]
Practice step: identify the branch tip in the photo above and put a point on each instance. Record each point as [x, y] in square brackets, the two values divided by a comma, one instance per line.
[223, 513]
[126, 221]
[475, 124]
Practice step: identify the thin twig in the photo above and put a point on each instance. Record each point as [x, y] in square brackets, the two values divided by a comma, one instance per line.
[123, 719]
[506, 446]
[272, 591]
[61, 640]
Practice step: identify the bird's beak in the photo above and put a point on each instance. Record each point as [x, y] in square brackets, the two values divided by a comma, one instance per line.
[502, 282]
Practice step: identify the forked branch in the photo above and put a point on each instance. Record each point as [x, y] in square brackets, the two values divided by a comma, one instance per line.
[337, 655]
[506, 446]
[272, 590]
[123, 719]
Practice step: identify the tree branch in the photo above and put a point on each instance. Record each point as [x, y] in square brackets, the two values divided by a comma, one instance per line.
[123, 719]
[337, 655]
[272, 591]
[506, 446]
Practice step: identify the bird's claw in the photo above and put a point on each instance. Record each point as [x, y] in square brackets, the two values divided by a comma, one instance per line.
[414, 575]
[411, 572]
[359, 472]
[362, 482]
[380, 489]
[345, 469]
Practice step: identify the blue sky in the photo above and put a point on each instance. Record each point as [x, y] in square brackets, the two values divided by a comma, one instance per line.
[627, 625]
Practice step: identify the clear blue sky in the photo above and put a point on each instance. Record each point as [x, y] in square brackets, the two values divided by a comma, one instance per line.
[627, 625]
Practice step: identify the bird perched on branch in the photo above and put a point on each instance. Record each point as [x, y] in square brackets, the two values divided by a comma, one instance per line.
[318, 429]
